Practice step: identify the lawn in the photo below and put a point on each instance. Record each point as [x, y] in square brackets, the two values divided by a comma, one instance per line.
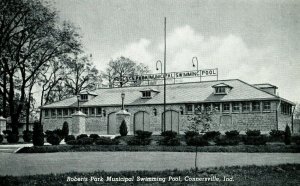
[287, 174]
[271, 147]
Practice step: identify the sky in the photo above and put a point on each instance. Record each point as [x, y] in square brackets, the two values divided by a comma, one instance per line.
[255, 41]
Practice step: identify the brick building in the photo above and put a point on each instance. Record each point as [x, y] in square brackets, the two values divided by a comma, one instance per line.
[239, 106]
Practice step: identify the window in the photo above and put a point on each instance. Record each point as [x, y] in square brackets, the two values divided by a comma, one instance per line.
[84, 97]
[71, 111]
[46, 113]
[267, 106]
[198, 108]
[207, 106]
[220, 90]
[65, 112]
[99, 111]
[59, 112]
[236, 107]
[189, 108]
[286, 109]
[85, 110]
[53, 113]
[146, 94]
[92, 111]
[226, 107]
[255, 106]
[246, 106]
[216, 106]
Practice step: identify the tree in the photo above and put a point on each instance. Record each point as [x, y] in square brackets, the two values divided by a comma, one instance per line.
[38, 135]
[65, 129]
[123, 128]
[81, 74]
[201, 121]
[121, 68]
[287, 135]
[30, 39]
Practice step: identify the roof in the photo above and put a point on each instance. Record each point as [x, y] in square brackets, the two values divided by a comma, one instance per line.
[191, 92]
[265, 85]
[221, 85]
[149, 89]
[87, 92]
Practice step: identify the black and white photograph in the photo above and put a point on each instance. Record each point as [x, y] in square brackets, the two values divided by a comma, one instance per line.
[143, 92]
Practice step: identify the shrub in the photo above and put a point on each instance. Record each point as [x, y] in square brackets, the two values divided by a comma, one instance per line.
[69, 138]
[7, 132]
[169, 133]
[65, 129]
[81, 136]
[12, 138]
[106, 141]
[255, 140]
[169, 141]
[123, 128]
[139, 141]
[85, 141]
[232, 133]
[53, 139]
[59, 132]
[296, 139]
[211, 135]
[27, 136]
[197, 141]
[94, 136]
[253, 132]
[37, 135]
[143, 134]
[1, 138]
[190, 134]
[48, 133]
[72, 142]
[276, 133]
[287, 135]
[224, 141]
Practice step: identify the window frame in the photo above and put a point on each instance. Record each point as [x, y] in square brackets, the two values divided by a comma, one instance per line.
[146, 94]
[53, 113]
[236, 105]
[246, 106]
[92, 111]
[187, 106]
[254, 109]
[97, 111]
[83, 97]
[63, 112]
[269, 106]
[85, 109]
[46, 113]
[216, 105]
[226, 105]
[220, 90]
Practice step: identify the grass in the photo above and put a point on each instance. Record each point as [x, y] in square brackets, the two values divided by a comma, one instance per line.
[182, 148]
[287, 174]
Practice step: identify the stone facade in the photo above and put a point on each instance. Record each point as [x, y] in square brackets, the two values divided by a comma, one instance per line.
[238, 120]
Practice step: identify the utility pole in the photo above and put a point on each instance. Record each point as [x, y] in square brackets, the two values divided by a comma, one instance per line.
[165, 60]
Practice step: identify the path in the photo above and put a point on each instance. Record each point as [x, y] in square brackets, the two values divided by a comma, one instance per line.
[45, 163]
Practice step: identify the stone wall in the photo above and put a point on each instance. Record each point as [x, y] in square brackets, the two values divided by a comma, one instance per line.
[264, 121]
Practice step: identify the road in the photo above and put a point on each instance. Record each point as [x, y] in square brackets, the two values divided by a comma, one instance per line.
[45, 163]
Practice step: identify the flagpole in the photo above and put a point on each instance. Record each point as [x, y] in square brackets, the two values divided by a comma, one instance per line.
[165, 60]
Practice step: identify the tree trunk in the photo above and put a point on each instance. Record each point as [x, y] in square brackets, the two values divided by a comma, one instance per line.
[4, 114]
